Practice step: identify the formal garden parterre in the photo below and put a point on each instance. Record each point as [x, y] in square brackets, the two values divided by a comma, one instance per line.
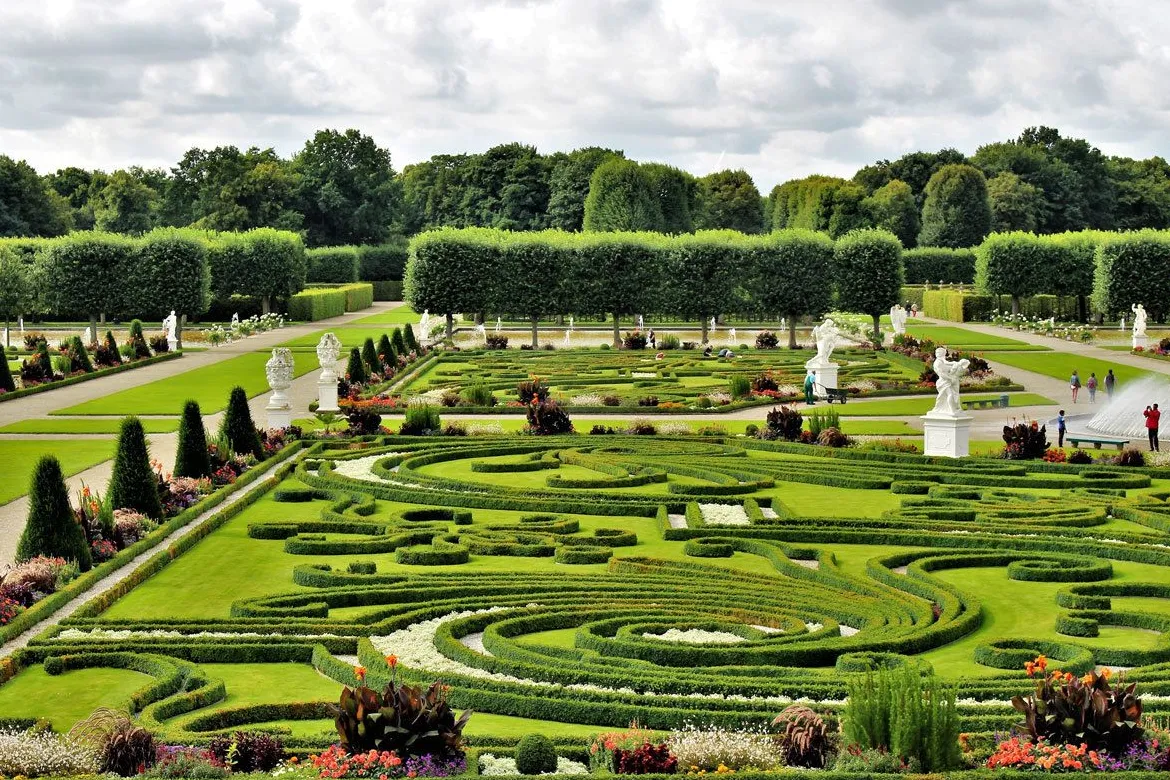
[574, 585]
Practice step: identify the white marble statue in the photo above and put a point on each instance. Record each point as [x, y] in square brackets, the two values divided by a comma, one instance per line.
[499, 322]
[1122, 325]
[714, 325]
[279, 370]
[424, 325]
[828, 337]
[481, 330]
[570, 322]
[328, 353]
[568, 336]
[783, 324]
[898, 316]
[20, 320]
[950, 372]
[169, 325]
[235, 321]
[731, 336]
[641, 322]
[1139, 319]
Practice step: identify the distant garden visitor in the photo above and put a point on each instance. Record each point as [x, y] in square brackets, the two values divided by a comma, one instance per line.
[1091, 386]
[1061, 427]
[1074, 382]
[1110, 383]
[810, 381]
[1153, 416]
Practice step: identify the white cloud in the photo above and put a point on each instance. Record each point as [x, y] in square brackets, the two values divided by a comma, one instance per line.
[781, 89]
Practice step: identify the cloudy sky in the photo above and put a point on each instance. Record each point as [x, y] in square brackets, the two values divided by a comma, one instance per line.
[782, 88]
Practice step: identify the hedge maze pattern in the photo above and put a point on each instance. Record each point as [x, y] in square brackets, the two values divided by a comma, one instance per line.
[419, 545]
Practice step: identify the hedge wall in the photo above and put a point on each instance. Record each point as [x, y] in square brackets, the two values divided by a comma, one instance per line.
[931, 265]
[316, 304]
[333, 265]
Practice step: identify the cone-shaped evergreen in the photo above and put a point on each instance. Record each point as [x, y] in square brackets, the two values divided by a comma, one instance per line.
[237, 426]
[52, 528]
[79, 356]
[398, 342]
[408, 339]
[138, 340]
[42, 359]
[370, 357]
[192, 460]
[112, 346]
[356, 369]
[6, 381]
[387, 353]
[133, 484]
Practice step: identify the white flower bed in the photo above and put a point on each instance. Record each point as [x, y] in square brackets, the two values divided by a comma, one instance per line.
[37, 755]
[723, 514]
[586, 399]
[697, 636]
[645, 375]
[361, 468]
[674, 429]
[485, 429]
[496, 766]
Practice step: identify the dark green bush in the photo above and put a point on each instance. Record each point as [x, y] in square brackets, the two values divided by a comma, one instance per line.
[237, 426]
[51, 528]
[536, 755]
[133, 484]
[192, 459]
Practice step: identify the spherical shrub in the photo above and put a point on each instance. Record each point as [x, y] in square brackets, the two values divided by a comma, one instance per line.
[536, 755]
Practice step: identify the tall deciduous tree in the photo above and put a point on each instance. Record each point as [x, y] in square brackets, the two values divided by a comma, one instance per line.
[956, 212]
[28, 207]
[569, 186]
[85, 269]
[1133, 268]
[18, 293]
[676, 191]
[615, 273]
[530, 277]
[699, 275]
[892, 207]
[1011, 264]
[347, 189]
[729, 200]
[621, 198]
[791, 275]
[452, 271]
[869, 273]
[914, 168]
[169, 272]
[1015, 204]
[124, 205]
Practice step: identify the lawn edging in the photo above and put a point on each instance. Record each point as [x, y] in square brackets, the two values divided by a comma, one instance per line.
[72, 380]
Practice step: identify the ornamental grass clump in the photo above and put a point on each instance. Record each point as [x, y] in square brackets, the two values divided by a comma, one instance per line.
[804, 737]
[421, 420]
[1025, 441]
[547, 418]
[122, 747]
[900, 711]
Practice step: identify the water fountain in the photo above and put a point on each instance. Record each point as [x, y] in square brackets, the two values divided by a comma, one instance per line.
[1122, 417]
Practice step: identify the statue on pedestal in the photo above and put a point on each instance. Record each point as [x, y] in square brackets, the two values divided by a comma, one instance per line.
[828, 337]
[328, 353]
[950, 372]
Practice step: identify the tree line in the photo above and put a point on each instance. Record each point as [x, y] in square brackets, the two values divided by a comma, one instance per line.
[790, 273]
[341, 188]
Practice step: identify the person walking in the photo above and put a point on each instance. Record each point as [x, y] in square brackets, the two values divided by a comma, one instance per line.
[810, 380]
[1061, 427]
[1110, 383]
[1091, 386]
[1074, 382]
[1153, 416]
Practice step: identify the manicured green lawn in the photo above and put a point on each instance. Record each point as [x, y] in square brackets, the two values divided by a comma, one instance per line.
[1060, 365]
[396, 316]
[955, 336]
[913, 406]
[210, 386]
[69, 697]
[87, 425]
[350, 336]
[20, 457]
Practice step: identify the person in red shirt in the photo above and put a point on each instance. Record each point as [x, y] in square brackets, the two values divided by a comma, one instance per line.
[1152, 417]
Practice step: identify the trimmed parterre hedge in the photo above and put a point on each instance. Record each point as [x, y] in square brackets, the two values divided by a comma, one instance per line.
[415, 527]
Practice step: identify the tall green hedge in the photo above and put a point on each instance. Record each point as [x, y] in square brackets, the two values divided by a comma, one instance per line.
[934, 264]
[316, 304]
[1133, 268]
[1011, 264]
[383, 262]
[333, 265]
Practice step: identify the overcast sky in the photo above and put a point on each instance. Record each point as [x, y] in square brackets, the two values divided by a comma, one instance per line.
[783, 88]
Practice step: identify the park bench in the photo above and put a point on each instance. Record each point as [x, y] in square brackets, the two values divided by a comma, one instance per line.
[988, 403]
[836, 394]
[1076, 441]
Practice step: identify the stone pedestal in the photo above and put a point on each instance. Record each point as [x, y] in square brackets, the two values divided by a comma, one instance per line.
[826, 376]
[946, 436]
[1142, 341]
[279, 416]
[172, 344]
[327, 395]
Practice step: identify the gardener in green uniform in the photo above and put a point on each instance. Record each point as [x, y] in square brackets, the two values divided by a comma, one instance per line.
[810, 380]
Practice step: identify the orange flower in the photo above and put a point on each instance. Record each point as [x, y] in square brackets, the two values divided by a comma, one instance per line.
[1088, 679]
[360, 671]
[392, 661]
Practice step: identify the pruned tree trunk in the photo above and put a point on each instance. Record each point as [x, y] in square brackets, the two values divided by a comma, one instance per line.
[703, 325]
[450, 327]
[792, 333]
[535, 335]
[92, 328]
[266, 304]
[179, 331]
[1015, 305]
[877, 330]
[617, 332]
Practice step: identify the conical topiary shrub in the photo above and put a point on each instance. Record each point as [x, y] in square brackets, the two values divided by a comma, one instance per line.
[137, 340]
[370, 357]
[356, 369]
[79, 356]
[409, 342]
[52, 528]
[237, 426]
[192, 459]
[112, 346]
[7, 383]
[133, 485]
[387, 353]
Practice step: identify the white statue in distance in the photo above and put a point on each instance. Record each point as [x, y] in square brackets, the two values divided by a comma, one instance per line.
[828, 338]
[950, 372]
[1139, 319]
[898, 316]
[170, 324]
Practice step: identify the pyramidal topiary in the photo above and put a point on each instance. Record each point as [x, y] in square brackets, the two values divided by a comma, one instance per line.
[370, 357]
[52, 528]
[133, 485]
[356, 369]
[387, 353]
[237, 426]
[7, 383]
[192, 459]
